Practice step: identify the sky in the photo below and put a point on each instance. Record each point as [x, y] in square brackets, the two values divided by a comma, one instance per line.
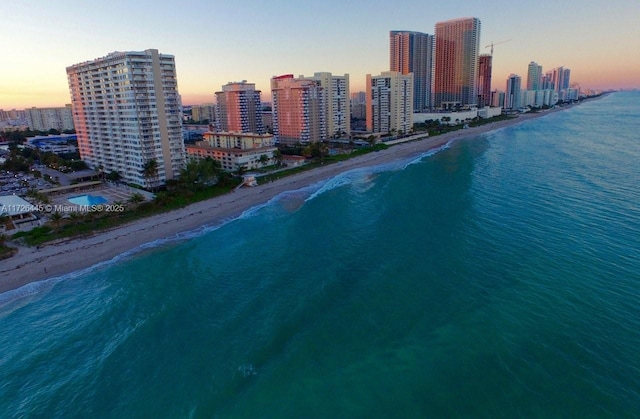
[219, 41]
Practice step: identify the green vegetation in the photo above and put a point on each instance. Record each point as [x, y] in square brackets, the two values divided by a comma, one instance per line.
[317, 162]
[198, 181]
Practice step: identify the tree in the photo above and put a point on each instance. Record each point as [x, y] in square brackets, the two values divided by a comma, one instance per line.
[101, 172]
[114, 176]
[197, 174]
[277, 156]
[264, 159]
[136, 198]
[56, 219]
[241, 170]
[150, 172]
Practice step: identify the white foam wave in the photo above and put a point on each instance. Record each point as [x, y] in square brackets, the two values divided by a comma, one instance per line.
[353, 176]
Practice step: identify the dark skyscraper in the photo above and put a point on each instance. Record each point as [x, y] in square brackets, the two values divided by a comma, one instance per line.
[484, 80]
[412, 52]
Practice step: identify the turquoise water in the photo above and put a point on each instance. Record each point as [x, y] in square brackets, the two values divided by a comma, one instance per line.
[88, 200]
[498, 277]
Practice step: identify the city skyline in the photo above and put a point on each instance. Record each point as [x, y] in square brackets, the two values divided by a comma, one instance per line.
[247, 43]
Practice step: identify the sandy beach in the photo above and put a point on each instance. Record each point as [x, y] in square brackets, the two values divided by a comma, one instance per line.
[32, 264]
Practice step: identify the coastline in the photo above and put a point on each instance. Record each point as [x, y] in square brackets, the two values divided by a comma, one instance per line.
[32, 264]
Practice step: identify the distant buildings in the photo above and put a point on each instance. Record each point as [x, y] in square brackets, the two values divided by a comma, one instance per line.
[126, 111]
[299, 114]
[390, 102]
[58, 144]
[512, 97]
[235, 150]
[456, 63]
[239, 108]
[534, 76]
[203, 112]
[412, 52]
[358, 105]
[45, 119]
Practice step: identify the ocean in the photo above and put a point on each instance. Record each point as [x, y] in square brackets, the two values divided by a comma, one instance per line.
[496, 277]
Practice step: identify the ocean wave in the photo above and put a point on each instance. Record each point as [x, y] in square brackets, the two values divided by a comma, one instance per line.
[306, 193]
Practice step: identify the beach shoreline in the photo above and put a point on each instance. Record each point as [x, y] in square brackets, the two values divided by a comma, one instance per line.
[33, 264]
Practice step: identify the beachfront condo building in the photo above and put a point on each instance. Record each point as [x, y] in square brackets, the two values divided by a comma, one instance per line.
[390, 102]
[126, 111]
[456, 63]
[298, 110]
[235, 150]
[484, 80]
[512, 96]
[239, 108]
[412, 52]
[335, 92]
[45, 119]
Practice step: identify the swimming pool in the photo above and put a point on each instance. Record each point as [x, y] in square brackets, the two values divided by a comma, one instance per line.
[88, 200]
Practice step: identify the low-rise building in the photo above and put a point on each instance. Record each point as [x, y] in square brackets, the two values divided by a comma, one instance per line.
[234, 150]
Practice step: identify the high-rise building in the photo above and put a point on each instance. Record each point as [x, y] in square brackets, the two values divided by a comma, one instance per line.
[44, 119]
[390, 102]
[412, 52]
[534, 76]
[126, 111]
[335, 91]
[512, 97]
[203, 112]
[298, 110]
[559, 79]
[484, 80]
[566, 79]
[456, 63]
[239, 108]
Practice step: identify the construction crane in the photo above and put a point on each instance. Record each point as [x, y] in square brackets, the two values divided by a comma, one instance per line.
[497, 43]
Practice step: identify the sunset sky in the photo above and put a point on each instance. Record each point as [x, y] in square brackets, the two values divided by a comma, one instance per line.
[219, 41]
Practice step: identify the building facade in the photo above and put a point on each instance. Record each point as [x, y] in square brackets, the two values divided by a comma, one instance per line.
[484, 80]
[456, 63]
[126, 111]
[203, 112]
[298, 110]
[390, 102]
[336, 98]
[45, 119]
[512, 96]
[534, 76]
[234, 150]
[239, 108]
[412, 52]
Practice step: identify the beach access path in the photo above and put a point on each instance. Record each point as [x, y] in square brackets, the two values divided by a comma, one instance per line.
[59, 258]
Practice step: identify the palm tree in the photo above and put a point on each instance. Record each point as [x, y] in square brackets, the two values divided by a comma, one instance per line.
[56, 218]
[150, 172]
[136, 198]
[277, 155]
[241, 170]
[101, 172]
[264, 159]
